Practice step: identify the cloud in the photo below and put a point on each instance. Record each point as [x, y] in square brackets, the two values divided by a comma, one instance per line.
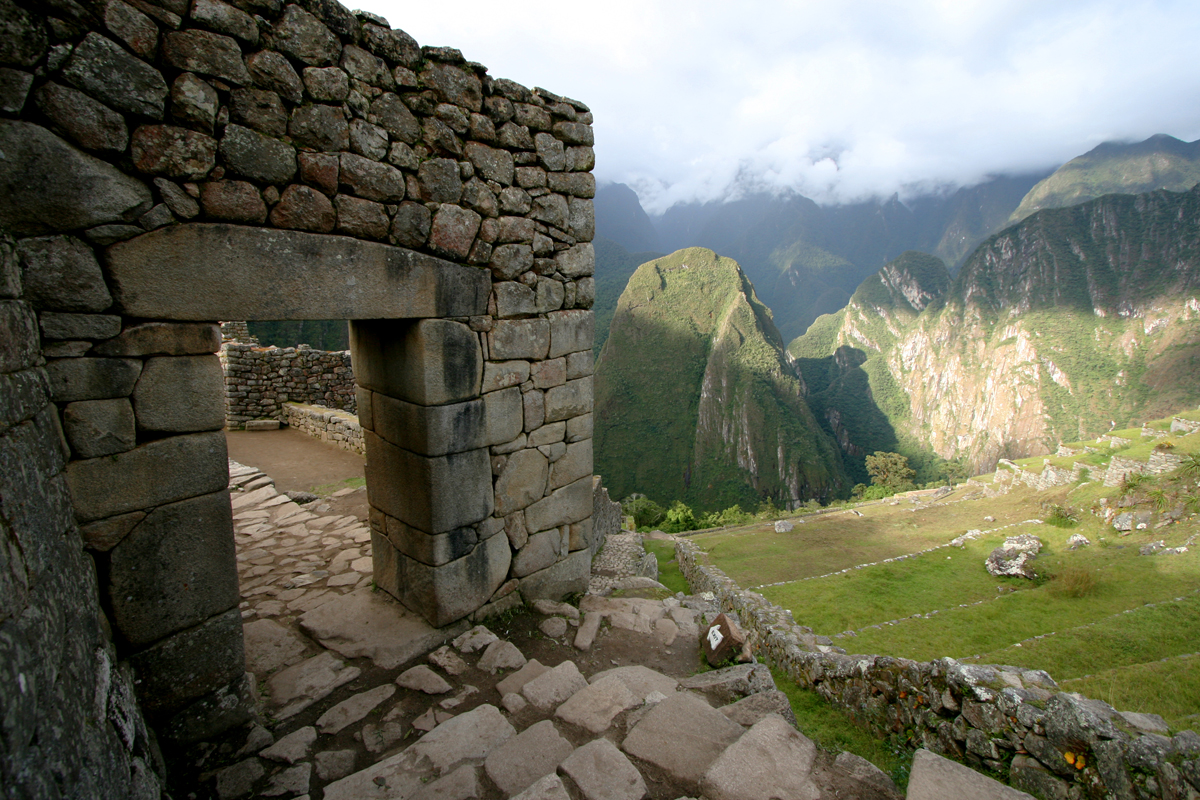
[697, 101]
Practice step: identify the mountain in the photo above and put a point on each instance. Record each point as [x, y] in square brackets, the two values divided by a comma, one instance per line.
[1160, 162]
[614, 265]
[696, 399]
[621, 218]
[1055, 329]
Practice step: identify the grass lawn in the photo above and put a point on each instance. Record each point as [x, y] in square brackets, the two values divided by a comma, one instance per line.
[669, 574]
[1140, 687]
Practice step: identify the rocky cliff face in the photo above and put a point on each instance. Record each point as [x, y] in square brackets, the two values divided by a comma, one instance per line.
[1053, 330]
[696, 398]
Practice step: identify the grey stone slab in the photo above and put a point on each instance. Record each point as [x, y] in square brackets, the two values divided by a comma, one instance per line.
[183, 272]
[594, 707]
[270, 646]
[569, 576]
[750, 710]
[540, 551]
[293, 747]
[682, 735]
[575, 464]
[935, 778]
[445, 593]
[602, 772]
[522, 759]
[501, 656]
[366, 623]
[469, 737]
[571, 331]
[431, 430]
[290, 782]
[526, 338]
[61, 273]
[571, 503]
[334, 764]
[62, 325]
[515, 682]
[175, 569]
[640, 680]
[478, 638]
[46, 185]
[422, 679]
[458, 784]
[92, 378]
[448, 661]
[547, 788]
[435, 494]
[189, 664]
[353, 709]
[180, 394]
[871, 783]
[257, 157]
[731, 683]
[521, 482]
[295, 688]
[550, 689]
[97, 428]
[771, 761]
[237, 780]
[153, 474]
[110, 74]
[396, 778]
[432, 549]
[572, 399]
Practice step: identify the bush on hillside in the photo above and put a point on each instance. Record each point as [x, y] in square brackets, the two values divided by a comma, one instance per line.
[1062, 516]
[645, 512]
[890, 470]
[876, 492]
[679, 518]
[734, 515]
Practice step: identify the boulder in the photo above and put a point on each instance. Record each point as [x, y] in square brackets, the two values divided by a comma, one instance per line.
[1012, 559]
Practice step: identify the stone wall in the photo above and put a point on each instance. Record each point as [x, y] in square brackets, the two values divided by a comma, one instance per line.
[260, 380]
[168, 164]
[339, 427]
[1011, 721]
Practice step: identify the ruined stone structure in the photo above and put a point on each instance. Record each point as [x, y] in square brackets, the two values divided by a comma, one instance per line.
[260, 380]
[167, 164]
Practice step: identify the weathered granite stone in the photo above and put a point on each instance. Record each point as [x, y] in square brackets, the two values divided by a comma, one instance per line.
[361, 217]
[353, 709]
[369, 141]
[92, 378]
[593, 708]
[327, 84]
[748, 769]
[602, 772]
[180, 394]
[551, 688]
[432, 549]
[59, 325]
[14, 89]
[304, 208]
[46, 185]
[934, 777]
[302, 36]
[194, 102]
[510, 339]
[97, 428]
[334, 764]
[270, 70]
[152, 474]
[180, 202]
[295, 688]
[501, 655]
[575, 464]
[61, 273]
[292, 748]
[206, 53]
[446, 593]
[23, 36]
[581, 221]
[320, 127]
[394, 45]
[176, 152]
[259, 109]
[371, 179]
[163, 339]
[467, 737]
[422, 679]
[454, 85]
[522, 759]
[540, 551]
[478, 638]
[191, 663]
[366, 67]
[569, 400]
[548, 788]
[751, 709]
[521, 482]
[411, 225]
[1028, 775]
[107, 72]
[510, 260]
[89, 122]
[577, 262]
[238, 780]
[503, 374]
[493, 164]
[258, 157]
[683, 736]
[427, 362]
[290, 782]
[234, 201]
[270, 646]
[224, 18]
[453, 231]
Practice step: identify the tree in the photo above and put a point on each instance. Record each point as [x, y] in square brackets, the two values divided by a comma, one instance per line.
[679, 518]
[891, 471]
[955, 472]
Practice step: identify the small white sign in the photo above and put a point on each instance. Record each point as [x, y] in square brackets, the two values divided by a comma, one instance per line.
[715, 637]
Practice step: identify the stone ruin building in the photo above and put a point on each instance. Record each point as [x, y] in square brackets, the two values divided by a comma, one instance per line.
[166, 164]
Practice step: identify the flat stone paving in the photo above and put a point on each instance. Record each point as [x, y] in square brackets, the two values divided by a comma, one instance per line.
[360, 700]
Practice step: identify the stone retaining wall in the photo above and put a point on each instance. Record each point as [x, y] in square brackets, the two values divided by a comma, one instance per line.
[259, 381]
[338, 427]
[1011, 721]
[1159, 463]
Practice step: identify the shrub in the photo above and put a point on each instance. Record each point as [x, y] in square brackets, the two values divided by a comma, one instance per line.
[1073, 582]
[1190, 466]
[877, 492]
[1062, 516]
[1132, 481]
[679, 518]
[1164, 446]
[645, 512]
[734, 515]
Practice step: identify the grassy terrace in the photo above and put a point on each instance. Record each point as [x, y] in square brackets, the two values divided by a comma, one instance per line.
[1103, 620]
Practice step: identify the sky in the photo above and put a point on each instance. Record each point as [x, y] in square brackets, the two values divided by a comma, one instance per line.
[839, 100]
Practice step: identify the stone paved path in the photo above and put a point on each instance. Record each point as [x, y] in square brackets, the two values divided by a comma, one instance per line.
[361, 700]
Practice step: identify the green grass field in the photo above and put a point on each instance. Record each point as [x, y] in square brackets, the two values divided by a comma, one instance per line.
[1102, 620]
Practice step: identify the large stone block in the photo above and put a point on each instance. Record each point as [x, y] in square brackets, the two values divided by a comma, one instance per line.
[434, 549]
[429, 362]
[571, 399]
[158, 472]
[59, 325]
[180, 394]
[61, 273]
[503, 374]
[519, 338]
[46, 185]
[430, 430]
[97, 428]
[19, 343]
[183, 272]
[540, 551]
[521, 482]
[92, 378]
[190, 664]
[504, 415]
[569, 576]
[258, 157]
[571, 331]
[934, 777]
[104, 70]
[434, 494]
[445, 593]
[175, 569]
[575, 464]
[33, 497]
[163, 339]
[571, 503]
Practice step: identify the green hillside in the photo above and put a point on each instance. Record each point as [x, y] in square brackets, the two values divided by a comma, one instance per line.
[1160, 162]
[695, 398]
[614, 265]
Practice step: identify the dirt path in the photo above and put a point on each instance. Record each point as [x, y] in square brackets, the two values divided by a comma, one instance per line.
[296, 461]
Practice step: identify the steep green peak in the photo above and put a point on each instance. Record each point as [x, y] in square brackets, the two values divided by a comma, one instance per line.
[909, 283]
[1160, 162]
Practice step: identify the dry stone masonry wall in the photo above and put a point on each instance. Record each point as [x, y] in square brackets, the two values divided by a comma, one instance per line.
[259, 381]
[167, 164]
[1011, 721]
[337, 427]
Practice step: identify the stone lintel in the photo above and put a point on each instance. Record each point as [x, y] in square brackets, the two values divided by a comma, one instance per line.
[188, 271]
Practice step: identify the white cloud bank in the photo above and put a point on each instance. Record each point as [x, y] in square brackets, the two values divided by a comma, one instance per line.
[837, 100]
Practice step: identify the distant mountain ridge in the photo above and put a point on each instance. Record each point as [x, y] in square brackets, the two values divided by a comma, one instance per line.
[1055, 329]
[696, 398]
